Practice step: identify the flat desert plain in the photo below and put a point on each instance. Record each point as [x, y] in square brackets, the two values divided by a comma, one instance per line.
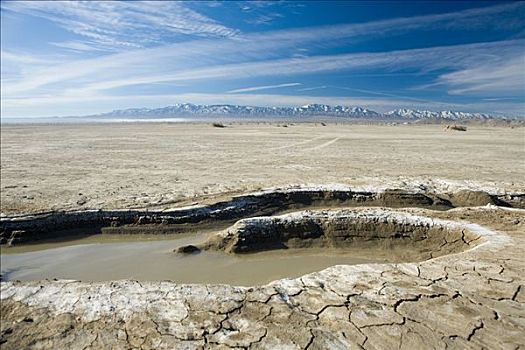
[137, 165]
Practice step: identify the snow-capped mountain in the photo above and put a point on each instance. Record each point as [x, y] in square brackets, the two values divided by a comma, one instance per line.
[310, 110]
[185, 109]
[450, 115]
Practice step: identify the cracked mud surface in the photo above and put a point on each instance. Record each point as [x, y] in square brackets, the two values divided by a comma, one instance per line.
[470, 300]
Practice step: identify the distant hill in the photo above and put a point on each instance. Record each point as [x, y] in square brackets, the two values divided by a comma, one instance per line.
[310, 110]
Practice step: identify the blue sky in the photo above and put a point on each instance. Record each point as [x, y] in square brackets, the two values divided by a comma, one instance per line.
[78, 58]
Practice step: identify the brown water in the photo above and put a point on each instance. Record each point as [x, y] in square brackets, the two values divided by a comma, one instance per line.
[109, 258]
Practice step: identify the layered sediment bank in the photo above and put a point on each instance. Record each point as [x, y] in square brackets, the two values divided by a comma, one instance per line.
[33, 227]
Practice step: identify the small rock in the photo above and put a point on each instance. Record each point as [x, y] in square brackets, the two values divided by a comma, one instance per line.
[82, 201]
[188, 249]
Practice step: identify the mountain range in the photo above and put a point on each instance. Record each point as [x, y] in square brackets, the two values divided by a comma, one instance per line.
[310, 110]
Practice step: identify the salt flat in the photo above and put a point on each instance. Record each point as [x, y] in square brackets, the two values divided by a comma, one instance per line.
[72, 166]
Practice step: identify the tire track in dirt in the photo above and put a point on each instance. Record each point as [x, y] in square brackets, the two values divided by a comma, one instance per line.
[298, 143]
[323, 145]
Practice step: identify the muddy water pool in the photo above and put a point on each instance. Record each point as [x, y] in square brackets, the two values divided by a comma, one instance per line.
[106, 257]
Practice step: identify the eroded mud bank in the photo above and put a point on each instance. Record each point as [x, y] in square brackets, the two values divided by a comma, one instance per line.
[29, 228]
[358, 228]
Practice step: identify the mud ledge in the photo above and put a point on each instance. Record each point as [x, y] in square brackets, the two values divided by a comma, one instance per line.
[383, 228]
[34, 227]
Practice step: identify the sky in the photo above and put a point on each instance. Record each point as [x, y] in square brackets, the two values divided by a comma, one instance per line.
[64, 58]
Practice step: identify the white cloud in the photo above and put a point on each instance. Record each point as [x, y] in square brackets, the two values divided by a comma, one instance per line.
[321, 87]
[266, 19]
[380, 93]
[75, 46]
[16, 64]
[159, 65]
[506, 77]
[263, 87]
[99, 76]
[150, 65]
[10, 56]
[501, 16]
[115, 25]
[500, 99]
[449, 57]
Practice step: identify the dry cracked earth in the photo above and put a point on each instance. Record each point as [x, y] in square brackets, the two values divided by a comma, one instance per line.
[469, 300]
[472, 298]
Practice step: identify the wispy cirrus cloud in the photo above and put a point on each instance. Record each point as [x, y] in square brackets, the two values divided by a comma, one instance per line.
[263, 87]
[508, 76]
[16, 64]
[486, 77]
[113, 20]
[447, 57]
[321, 87]
[505, 16]
[114, 25]
[76, 46]
[113, 71]
[133, 24]
[457, 58]
[11, 56]
[264, 19]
